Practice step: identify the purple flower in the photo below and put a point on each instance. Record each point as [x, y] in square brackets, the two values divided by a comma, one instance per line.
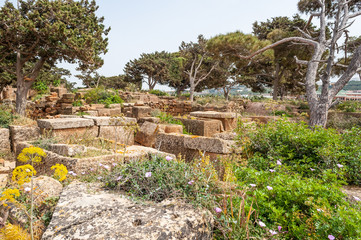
[272, 232]
[279, 228]
[114, 164]
[27, 189]
[70, 172]
[100, 164]
[83, 173]
[99, 178]
[271, 170]
[92, 169]
[168, 158]
[312, 169]
[331, 237]
[319, 210]
[279, 162]
[218, 210]
[191, 182]
[148, 174]
[261, 224]
[253, 185]
[339, 165]
[356, 198]
[106, 167]
[269, 188]
[118, 178]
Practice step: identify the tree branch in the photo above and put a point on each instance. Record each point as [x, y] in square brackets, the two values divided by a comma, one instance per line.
[355, 15]
[290, 39]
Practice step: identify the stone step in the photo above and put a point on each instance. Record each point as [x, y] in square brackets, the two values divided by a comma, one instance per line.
[3, 180]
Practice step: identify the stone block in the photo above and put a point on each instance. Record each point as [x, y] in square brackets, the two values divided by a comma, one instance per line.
[208, 144]
[120, 134]
[3, 180]
[109, 121]
[171, 128]
[148, 119]
[115, 112]
[202, 127]
[4, 138]
[66, 150]
[23, 133]
[73, 133]
[141, 111]
[174, 143]
[147, 134]
[93, 213]
[65, 123]
[228, 119]
[103, 112]
[91, 113]
[97, 106]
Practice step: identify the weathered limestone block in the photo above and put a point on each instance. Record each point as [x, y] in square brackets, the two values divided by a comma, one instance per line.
[66, 150]
[115, 112]
[226, 135]
[86, 211]
[120, 134]
[171, 128]
[208, 144]
[174, 143]
[147, 134]
[23, 133]
[141, 111]
[103, 112]
[4, 138]
[148, 119]
[202, 127]
[69, 127]
[64, 123]
[228, 119]
[109, 121]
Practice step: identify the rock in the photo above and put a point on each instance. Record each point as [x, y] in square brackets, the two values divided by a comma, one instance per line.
[202, 127]
[112, 121]
[208, 144]
[228, 119]
[64, 123]
[171, 128]
[147, 134]
[3, 180]
[226, 135]
[85, 211]
[45, 187]
[121, 134]
[66, 150]
[4, 138]
[141, 111]
[23, 133]
[148, 119]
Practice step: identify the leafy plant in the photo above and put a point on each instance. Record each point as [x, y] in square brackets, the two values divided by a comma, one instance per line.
[101, 95]
[158, 92]
[41, 87]
[167, 118]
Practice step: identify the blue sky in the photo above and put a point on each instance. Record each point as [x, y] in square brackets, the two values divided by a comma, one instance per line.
[144, 26]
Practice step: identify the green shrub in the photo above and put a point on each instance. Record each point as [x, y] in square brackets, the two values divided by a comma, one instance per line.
[6, 117]
[282, 113]
[157, 179]
[41, 87]
[349, 106]
[158, 92]
[77, 103]
[303, 149]
[305, 208]
[104, 96]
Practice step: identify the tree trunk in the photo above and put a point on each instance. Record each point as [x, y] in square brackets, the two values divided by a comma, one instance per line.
[226, 93]
[191, 89]
[276, 82]
[21, 95]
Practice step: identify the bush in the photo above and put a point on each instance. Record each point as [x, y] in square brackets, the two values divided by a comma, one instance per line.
[167, 118]
[158, 92]
[349, 106]
[305, 208]
[41, 87]
[158, 179]
[305, 150]
[6, 118]
[101, 95]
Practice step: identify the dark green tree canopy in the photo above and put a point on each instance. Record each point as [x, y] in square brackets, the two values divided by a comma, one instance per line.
[44, 31]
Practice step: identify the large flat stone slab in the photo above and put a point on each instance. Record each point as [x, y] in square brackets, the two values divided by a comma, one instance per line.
[208, 144]
[85, 211]
[213, 114]
[65, 123]
[111, 121]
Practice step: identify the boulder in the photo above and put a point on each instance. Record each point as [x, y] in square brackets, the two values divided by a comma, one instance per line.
[147, 134]
[86, 211]
[45, 187]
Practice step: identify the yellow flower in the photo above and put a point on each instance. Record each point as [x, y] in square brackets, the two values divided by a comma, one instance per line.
[9, 195]
[23, 174]
[60, 171]
[11, 232]
[31, 153]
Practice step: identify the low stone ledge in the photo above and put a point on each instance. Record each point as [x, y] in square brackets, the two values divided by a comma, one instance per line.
[109, 121]
[65, 123]
[213, 114]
